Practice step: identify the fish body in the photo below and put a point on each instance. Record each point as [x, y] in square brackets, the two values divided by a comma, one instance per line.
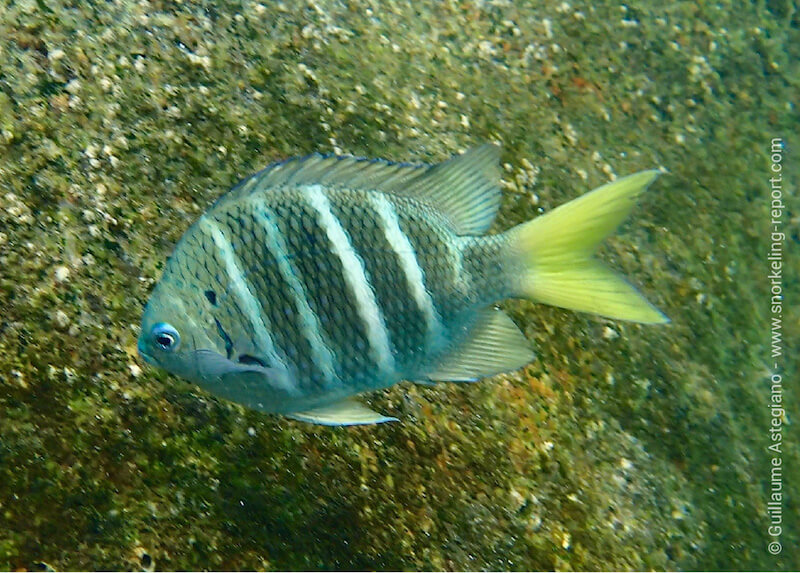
[321, 278]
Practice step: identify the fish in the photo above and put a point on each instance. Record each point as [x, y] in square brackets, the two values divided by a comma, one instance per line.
[322, 278]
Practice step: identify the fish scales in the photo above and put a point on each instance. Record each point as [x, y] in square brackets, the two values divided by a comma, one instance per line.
[334, 300]
[320, 278]
[317, 355]
[407, 324]
[260, 248]
[362, 295]
[488, 270]
[252, 330]
[411, 276]
[192, 265]
[438, 253]
[323, 274]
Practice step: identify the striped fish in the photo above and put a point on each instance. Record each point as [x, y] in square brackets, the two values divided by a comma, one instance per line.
[321, 278]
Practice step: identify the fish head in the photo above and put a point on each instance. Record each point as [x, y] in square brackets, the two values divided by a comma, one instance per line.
[179, 334]
[173, 330]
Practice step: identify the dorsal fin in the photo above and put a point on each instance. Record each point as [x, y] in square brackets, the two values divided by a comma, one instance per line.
[465, 188]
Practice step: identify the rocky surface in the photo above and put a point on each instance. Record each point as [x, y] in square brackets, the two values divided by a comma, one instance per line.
[621, 447]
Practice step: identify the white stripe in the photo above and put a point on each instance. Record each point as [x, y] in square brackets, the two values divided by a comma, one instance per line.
[356, 278]
[408, 260]
[241, 289]
[322, 355]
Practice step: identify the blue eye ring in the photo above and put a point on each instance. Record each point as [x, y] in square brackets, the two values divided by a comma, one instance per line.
[165, 336]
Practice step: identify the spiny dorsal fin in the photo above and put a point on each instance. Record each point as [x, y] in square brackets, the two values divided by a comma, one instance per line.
[465, 188]
[494, 345]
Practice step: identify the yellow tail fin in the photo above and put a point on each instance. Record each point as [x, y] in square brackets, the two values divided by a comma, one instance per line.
[556, 252]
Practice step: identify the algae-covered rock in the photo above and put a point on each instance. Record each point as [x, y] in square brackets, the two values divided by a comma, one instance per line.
[621, 447]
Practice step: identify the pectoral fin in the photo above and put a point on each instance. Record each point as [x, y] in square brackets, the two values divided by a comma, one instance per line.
[347, 412]
[213, 365]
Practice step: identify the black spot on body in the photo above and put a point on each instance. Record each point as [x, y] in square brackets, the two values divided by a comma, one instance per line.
[225, 338]
[211, 296]
[251, 360]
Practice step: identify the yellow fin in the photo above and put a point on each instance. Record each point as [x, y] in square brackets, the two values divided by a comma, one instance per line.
[556, 253]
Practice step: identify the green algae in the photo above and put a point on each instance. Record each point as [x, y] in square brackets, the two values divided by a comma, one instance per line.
[621, 447]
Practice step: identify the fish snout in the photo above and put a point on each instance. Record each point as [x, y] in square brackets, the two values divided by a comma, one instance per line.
[142, 348]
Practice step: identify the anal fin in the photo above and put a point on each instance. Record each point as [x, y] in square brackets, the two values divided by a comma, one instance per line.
[494, 345]
[347, 412]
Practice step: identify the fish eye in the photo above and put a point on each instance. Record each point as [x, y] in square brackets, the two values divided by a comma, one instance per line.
[165, 336]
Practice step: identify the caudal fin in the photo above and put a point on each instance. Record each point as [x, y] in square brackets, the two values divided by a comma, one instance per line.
[556, 251]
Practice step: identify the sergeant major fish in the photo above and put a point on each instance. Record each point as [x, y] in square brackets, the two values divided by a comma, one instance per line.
[323, 277]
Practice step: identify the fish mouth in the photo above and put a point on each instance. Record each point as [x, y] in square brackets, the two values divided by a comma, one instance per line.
[142, 352]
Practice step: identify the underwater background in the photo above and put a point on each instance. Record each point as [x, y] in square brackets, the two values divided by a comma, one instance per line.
[621, 447]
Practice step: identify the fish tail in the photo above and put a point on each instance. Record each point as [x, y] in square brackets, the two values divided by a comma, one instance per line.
[555, 252]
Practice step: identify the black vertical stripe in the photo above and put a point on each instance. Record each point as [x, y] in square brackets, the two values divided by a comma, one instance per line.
[320, 271]
[429, 237]
[405, 322]
[274, 295]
